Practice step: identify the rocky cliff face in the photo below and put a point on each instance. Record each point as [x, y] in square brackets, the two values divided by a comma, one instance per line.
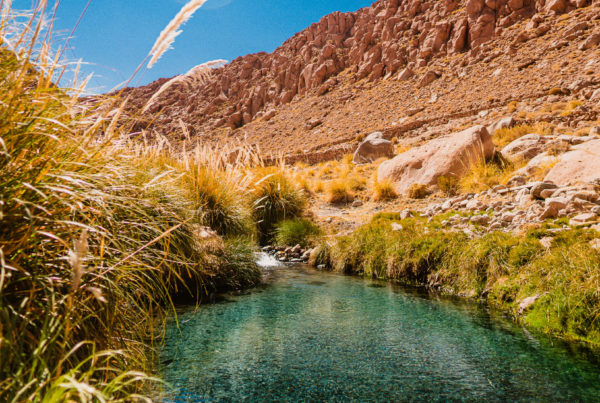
[391, 40]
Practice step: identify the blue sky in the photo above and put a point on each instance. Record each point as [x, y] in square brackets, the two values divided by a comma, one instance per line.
[115, 35]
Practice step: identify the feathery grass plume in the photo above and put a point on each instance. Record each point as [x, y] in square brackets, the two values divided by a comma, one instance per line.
[168, 35]
[196, 75]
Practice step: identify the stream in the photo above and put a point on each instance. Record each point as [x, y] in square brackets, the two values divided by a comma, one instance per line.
[314, 336]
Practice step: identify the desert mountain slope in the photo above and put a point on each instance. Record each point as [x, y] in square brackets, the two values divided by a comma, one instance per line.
[404, 67]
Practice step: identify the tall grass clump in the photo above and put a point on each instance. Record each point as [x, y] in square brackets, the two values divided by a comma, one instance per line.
[299, 231]
[274, 198]
[383, 190]
[338, 191]
[484, 174]
[96, 240]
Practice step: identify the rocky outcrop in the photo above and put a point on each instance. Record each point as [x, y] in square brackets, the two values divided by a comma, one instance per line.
[373, 148]
[448, 156]
[380, 41]
[581, 165]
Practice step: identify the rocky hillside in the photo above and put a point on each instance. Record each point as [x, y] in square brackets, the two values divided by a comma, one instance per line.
[412, 67]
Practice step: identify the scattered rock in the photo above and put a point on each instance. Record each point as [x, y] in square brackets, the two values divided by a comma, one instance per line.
[405, 74]
[397, 227]
[517, 180]
[525, 147]
[537, 188]
[428, 78]
[312, 123]
[527, 303]
[404, 214]
[583, 218]
[480, 219]
[372, 148]
[590, 42]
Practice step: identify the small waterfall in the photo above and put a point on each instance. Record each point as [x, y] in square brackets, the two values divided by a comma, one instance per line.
[266, 261]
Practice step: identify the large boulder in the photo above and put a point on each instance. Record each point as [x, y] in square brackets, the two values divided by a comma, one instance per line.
[372, 148]
[449, 156]
[581, 165]
[525, 147]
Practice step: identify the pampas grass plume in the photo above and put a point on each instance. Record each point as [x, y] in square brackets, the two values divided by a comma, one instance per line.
[168, 35]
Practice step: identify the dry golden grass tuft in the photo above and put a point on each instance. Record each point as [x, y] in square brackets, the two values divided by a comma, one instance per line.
[401, 149]
[383, 190]
[503, 137]
[338, 191]
[483, 175]
[449, 185]
[559, 147]
[570, 107]
[418, 191]
[555, 91]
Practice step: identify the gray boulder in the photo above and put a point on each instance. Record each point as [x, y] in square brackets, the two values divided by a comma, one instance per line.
[372, 148]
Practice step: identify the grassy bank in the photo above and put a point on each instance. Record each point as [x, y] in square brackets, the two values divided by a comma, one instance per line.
[498, 267]
[100, 235]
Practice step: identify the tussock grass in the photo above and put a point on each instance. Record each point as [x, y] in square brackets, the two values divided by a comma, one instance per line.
[338, 191]
[449, 185]
[97, 238]
[383, 190]
[274, 198]
[418, 191]
[483, 174]
[501, 267]
[570, 107]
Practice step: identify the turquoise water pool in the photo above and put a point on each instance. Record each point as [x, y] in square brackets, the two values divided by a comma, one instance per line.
[311, 336]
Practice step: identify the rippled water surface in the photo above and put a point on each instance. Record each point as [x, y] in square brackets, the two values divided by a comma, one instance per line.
[312, 336]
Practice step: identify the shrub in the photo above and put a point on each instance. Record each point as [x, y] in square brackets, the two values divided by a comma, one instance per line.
[384, 190]
[418, 191]
[297, 231]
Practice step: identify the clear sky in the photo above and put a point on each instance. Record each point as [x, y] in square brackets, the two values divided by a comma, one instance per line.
[116, 35]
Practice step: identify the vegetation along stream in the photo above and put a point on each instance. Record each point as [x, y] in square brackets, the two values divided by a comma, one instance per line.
[312, 336]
